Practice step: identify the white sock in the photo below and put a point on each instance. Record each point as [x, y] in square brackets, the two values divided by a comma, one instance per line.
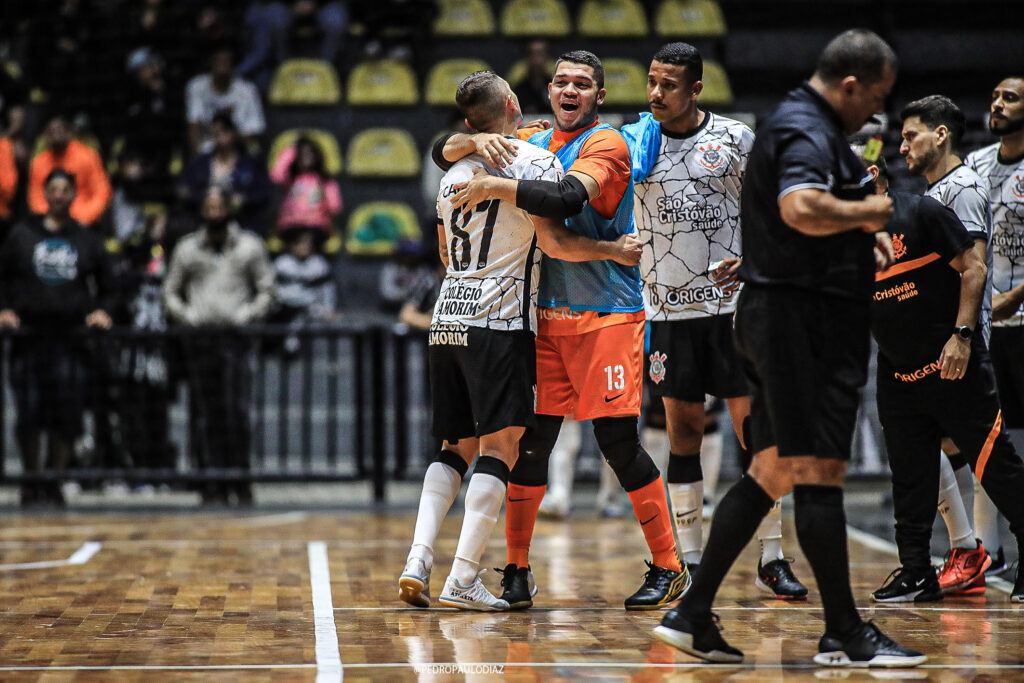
[965, 482]
[484, 497]
[609, 487]
[561, 465]
[986, 520]
[951, 507]
[769, 533]
[440, 486]
[655, 442]
[711, 461]
[688, 517]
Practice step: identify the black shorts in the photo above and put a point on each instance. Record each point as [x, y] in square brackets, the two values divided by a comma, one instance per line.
[805, 356]
[481, 381]
[916, 414]
[1007, 345]
[691, 358]
[49, 377]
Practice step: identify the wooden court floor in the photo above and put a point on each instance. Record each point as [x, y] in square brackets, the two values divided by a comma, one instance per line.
[312, 596]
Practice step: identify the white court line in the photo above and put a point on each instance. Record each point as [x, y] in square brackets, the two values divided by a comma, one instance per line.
[737, 608]
[158, 667]
[884, 546]
[219, 519]
[328, 650]
[80, 556]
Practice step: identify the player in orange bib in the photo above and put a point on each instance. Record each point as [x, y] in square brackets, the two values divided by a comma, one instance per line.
[590, 325]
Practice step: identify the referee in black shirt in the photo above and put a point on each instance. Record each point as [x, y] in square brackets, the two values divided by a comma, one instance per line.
[809, 216]
[935, 378]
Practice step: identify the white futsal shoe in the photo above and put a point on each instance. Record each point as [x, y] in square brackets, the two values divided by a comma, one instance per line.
[475, 596]
[414, 584]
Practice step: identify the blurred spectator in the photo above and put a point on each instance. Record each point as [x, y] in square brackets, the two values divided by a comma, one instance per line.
[143, 367]
[163, 27]
[418, 309]
[219, 278]
[398, 277]
[8, 185]
[221, 91]
[430, 180]
[61, 53]
[532, 89]
[13, 100]
[312, 199]
[271, 27]
[305, 286]
[148, 144]
[229, 167]
[54, 276]
[80, 161]
[396, 28]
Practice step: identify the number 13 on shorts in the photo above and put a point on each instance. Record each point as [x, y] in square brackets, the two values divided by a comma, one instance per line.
[616, 377]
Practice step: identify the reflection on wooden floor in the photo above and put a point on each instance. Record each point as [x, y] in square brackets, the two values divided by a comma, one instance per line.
[190, 597]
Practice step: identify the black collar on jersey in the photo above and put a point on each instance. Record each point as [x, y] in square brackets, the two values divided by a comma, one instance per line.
[1007, 162]
[807, 93]
[689, 134]
[944, 175]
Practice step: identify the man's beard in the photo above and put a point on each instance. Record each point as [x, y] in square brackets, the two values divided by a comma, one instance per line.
[1009, 128]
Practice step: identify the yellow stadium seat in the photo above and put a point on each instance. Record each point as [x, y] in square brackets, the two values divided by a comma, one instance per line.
[626, 83]
[464, 18]
[304, 82]
[717, 91]
[376, 228]
[444, 79]
[383, 152]
[612, 19]
[326, 141]
[697, 18]
[517, 71]
[382, 82]
[535, 19]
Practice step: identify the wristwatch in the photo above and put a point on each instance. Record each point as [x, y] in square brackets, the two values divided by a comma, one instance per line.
[964, 332]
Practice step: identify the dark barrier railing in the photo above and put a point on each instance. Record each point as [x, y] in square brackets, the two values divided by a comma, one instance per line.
[330, 402]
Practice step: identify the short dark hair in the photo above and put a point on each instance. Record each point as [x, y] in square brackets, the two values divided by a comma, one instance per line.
[684, 55]
[859, 53]
[480, 98]
[935, 111]
[60, 174]
[587, 59]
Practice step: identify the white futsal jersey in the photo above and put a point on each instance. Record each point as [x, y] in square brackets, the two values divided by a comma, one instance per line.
[966, 193]
[493, 259]
[1005, 182]
[688, 214]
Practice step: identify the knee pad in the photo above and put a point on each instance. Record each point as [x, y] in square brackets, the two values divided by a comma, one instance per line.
[534, 450]
[620, 445]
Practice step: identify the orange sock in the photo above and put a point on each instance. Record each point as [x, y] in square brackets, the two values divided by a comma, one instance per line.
[651, 509]
[521, 505]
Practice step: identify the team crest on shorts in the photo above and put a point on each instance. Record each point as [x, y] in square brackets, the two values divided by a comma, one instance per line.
[1018, 189]
[657, 371]
[711, 158]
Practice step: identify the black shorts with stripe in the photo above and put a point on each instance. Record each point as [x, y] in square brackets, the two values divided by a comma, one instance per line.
[481, 381]
[691, 358]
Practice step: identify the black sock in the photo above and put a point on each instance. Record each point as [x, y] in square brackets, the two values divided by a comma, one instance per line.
[821, 530]
[736, 520]
[684, 469]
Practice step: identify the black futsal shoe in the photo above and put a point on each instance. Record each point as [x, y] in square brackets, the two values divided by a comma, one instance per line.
[903, 585]
[866, 646]
[777, 578]
[519, 586]
[1018, 585]
[661, 587]
[701, 639]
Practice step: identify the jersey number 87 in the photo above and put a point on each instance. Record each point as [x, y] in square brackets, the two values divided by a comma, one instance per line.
[461, 237]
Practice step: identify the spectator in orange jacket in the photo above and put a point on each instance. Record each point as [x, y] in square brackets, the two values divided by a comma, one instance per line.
[78, 160]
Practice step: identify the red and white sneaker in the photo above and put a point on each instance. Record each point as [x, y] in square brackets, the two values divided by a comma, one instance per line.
[963, 572]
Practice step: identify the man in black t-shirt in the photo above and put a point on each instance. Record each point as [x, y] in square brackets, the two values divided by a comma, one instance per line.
[935, 378]
[809, 216]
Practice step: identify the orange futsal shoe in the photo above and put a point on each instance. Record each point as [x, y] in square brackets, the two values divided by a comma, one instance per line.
[963, 572]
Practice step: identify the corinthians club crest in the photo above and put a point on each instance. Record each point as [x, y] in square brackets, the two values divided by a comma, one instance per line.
[712, 156]
[657, 371]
